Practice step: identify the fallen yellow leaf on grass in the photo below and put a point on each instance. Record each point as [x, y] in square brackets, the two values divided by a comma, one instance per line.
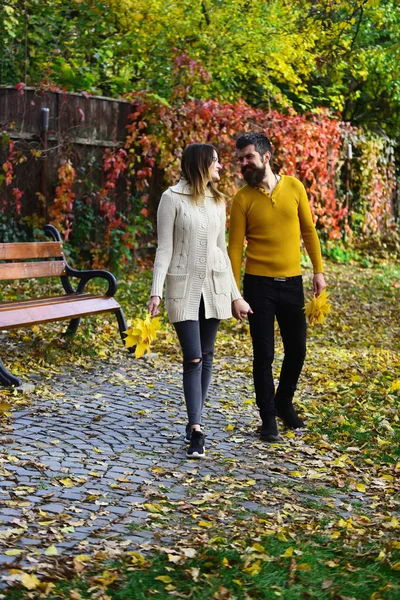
[304, 567]
[142, 333]
[253, 568]
[31, 582]
[317, 309]
[205, 524]
[164, 578]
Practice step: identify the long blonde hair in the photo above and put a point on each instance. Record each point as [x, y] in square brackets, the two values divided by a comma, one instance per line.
[195, 166]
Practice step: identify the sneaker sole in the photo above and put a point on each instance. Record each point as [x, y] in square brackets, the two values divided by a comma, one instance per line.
[195, 455]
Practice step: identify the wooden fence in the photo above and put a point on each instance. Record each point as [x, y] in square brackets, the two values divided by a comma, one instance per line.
[55, 124]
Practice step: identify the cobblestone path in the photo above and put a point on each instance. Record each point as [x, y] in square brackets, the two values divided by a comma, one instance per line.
[99, 462]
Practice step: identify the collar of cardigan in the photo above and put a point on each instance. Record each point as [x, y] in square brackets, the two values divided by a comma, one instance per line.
[183, 187]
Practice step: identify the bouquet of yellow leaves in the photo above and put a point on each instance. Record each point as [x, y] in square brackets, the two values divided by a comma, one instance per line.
[142, 333]
[317, 308]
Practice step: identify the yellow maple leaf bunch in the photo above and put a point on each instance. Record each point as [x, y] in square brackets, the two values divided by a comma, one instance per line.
[317, 309]
[142, 333]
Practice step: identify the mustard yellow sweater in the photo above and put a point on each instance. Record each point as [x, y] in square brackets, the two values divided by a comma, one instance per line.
[272, 225]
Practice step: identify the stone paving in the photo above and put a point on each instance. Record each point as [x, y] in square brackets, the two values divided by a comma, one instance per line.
[85, 465]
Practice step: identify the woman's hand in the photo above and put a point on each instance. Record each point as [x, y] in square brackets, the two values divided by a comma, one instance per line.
[240, 309]
[153, 304]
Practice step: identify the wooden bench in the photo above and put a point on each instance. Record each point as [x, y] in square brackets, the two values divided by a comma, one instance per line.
[28, 260]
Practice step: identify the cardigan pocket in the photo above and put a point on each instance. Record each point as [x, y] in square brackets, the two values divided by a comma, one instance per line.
[221, 281]
[176, 285]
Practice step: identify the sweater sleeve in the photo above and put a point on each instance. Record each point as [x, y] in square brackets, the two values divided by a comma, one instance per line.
[165, 231]
[221, 243]
[237, 232]
[309, 233]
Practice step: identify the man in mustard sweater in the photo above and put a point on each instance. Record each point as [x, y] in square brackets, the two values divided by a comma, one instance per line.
[271, 212]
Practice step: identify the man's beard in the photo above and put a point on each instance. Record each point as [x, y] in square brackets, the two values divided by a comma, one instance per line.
[253, 175]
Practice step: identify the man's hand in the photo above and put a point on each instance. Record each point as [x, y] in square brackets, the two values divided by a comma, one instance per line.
[318, 283]
[153, 304]
[240, 309]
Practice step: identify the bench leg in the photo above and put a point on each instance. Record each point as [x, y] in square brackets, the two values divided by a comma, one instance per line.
[6, 378]
[74, 324]
[72, 327]
[123, 327]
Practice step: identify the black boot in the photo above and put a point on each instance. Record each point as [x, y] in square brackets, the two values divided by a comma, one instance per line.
[269, 429]
[290, 417]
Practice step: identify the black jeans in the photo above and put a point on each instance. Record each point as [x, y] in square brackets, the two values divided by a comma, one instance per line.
[197, 341]
[270, 298]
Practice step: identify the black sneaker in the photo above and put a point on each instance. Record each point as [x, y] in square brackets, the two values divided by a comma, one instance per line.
[269, 430]
[196, 448]
[290, 417]
[188, 433]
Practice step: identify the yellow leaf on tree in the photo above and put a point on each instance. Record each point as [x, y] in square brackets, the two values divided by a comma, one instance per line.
[14, 552]
[317, 309]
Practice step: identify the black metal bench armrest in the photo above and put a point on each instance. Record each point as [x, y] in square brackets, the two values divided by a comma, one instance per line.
[86, 276]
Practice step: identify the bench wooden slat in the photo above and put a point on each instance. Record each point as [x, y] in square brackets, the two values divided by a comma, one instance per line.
[44, 301]
[28, 313]
[32, 269]
[24, 250]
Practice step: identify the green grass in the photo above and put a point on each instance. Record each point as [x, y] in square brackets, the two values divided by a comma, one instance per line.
[318, 568]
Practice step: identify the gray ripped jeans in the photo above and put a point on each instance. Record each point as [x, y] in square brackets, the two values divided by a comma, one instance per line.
[197, 341]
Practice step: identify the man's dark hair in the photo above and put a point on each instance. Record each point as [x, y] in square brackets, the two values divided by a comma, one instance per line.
[260, 142]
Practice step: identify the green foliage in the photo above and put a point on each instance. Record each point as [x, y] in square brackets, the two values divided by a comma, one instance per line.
[104, 208]
[338, 252]
[13, 229]
[304, 54]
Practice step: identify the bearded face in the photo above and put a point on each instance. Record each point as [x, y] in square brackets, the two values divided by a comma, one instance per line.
[253, 175]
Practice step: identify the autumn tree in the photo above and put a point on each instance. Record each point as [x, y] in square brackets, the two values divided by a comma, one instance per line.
[342, 54]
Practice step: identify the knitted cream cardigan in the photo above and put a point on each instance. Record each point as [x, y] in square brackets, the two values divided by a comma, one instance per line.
[191, 256]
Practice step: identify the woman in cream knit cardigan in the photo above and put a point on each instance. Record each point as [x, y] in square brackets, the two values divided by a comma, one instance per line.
[192, 261]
